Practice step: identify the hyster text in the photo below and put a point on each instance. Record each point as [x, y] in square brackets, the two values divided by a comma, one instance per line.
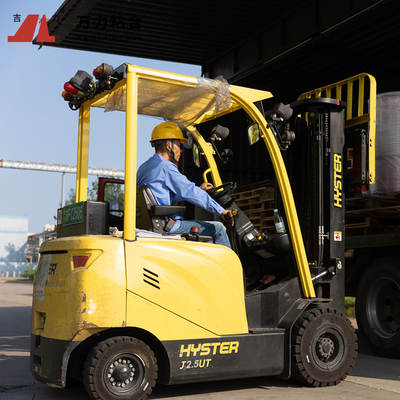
[337, 179]
[204, 349]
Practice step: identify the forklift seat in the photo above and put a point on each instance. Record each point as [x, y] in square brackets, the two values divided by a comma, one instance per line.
[151, 216]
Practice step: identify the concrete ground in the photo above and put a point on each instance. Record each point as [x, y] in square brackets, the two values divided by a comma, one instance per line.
[372, 377]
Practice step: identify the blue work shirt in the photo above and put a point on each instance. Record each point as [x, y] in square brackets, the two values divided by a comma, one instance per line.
[169, 185]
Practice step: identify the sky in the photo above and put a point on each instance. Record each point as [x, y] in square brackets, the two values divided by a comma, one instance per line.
[37, 125]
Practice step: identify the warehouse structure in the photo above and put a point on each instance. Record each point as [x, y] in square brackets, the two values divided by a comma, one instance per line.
[286, 47]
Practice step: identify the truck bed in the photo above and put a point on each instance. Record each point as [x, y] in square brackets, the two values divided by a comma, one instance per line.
[372, 220]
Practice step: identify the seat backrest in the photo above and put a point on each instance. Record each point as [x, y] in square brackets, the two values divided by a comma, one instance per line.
[148, 196]
[143, 219]
[149, 214]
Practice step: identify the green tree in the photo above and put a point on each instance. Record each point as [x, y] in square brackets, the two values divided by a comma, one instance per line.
[112, 191]
[91, 196]
[30, 271]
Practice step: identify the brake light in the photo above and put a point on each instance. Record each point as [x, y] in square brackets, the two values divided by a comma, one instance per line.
[79, 261]
[72, 90]
[82, 87]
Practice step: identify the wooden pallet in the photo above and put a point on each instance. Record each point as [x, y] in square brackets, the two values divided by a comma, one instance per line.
[364, 215]
[257, 202]
[372, 215]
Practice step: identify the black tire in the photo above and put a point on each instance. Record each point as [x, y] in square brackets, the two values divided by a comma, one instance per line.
[378, 307]
[120, 368]
[324, 348]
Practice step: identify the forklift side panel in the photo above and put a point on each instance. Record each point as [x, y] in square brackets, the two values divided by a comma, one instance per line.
[163, 323]
[227, 357]
[200, 282]
[267, 307]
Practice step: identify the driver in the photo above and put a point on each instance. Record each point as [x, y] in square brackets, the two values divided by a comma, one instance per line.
[160, 173]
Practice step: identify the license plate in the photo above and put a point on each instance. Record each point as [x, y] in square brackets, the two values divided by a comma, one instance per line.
[73, 214]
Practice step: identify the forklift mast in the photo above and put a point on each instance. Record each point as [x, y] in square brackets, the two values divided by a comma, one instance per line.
[315, 163]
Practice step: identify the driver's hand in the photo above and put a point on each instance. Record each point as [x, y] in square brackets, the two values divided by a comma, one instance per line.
[227, 216]
[206, 186]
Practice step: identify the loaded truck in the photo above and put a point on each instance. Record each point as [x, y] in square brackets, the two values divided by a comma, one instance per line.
[371, 187]
[120, 305]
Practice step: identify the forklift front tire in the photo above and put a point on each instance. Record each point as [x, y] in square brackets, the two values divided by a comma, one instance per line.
[324, 348]
[120, 368]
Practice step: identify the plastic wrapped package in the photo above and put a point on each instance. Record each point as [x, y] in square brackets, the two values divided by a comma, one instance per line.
[387, 151]
[182, 104]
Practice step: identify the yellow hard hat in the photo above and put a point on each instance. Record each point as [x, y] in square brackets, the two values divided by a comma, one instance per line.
[167, 130]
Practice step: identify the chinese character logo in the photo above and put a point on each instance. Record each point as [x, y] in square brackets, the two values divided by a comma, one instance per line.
[26, 31]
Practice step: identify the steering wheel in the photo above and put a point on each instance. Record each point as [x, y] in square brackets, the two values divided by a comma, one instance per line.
[216, 193]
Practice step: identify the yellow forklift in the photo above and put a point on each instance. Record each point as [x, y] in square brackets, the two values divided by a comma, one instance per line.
[119, 304]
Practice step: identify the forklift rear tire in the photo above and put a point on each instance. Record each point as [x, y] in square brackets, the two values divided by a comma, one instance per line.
[120, 368]
[378, 307]
[324, 348]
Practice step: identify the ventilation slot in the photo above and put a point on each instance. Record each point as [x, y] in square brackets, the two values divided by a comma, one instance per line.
[151, 278]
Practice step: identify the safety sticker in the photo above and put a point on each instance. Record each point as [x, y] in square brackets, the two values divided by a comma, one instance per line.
[337, 236]
[302, 305]
[42, 276]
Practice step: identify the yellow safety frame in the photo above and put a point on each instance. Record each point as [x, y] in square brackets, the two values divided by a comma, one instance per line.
[208, 154]
[344, 90]
[241, 98]
[83, 153]
[285, 189]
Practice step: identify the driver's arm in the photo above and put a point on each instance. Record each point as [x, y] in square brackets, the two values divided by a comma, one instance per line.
[206, 186]
[225, 215]
[183, 189]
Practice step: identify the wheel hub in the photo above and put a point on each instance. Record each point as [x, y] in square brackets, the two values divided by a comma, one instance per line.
[326, 347]
[124, 373]
[121, 372]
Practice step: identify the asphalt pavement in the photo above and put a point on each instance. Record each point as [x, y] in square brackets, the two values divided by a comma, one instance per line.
[372, 377]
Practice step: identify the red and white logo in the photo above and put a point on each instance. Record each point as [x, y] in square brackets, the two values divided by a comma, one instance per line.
[26, 31]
